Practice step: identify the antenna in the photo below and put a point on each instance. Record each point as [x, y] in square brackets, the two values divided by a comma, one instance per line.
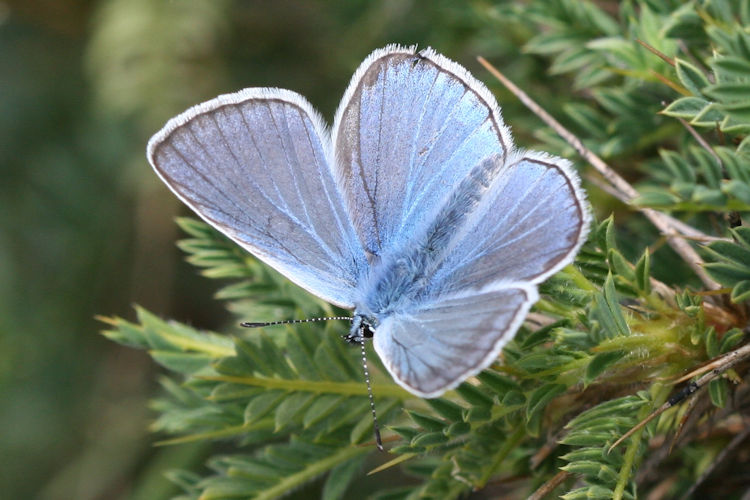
[249, 324]
[376, 427]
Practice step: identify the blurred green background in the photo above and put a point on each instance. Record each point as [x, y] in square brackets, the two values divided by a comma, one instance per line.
[88, 229]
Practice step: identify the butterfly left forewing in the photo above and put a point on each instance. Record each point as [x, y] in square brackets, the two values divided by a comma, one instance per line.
[410, 127]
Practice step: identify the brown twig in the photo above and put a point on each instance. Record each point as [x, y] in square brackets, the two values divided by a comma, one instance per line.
[549, 486]
[659, 54]
[714, 369]
[725, 453]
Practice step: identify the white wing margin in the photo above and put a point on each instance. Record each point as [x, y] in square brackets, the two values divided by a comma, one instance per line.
[440, 344]
[257, 165]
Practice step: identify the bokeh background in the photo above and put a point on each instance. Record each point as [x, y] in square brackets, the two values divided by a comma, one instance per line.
[87, 229]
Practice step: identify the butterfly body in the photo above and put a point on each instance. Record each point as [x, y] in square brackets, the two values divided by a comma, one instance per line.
[415, 211]
[405, 278]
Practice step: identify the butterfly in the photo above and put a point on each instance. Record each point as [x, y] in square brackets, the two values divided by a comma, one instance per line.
[415, 209]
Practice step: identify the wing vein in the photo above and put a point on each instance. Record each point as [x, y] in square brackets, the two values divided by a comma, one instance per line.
[412, 163]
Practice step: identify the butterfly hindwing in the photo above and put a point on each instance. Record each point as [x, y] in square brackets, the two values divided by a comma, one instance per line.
[530, 223]
[438, 344]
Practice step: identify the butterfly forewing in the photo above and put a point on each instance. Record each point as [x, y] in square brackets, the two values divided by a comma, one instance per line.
[410, 127]
[256, 165]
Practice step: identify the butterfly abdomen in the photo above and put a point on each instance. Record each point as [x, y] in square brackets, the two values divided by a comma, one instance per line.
[407, 276]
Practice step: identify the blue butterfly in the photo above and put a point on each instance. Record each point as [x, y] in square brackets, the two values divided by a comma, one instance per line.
[415, 210]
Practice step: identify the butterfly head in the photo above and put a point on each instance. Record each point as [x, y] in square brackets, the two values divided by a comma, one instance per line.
[363, 326]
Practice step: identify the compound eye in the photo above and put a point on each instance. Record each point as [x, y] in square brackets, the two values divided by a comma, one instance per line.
[366, 331]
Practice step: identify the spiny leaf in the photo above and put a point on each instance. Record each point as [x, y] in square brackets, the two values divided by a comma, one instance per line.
[690, 76]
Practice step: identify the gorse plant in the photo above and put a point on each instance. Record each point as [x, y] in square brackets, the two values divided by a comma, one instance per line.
[658, 86]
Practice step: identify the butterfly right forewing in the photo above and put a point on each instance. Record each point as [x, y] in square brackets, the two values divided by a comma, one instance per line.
[257, 166]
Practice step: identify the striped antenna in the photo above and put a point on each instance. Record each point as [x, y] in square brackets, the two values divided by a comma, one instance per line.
[376, 427]
[248, 324]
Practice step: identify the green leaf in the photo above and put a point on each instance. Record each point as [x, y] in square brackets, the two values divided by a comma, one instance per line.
[690, 76]
[340, 478]
[321, 408]
[291, 408]
[593, 492]
[717, 390]
[600, 363]
[622, 406]
[262, 404]
[737, 189]
[734, 124]
[678, 166]
[615, 47]
[742, 235]
[446, 409]
[538, 336]
[643, 273]
[408, 433]
[541, 396]
[427, 422]
[741, 292]
[730, 264]
[727, 274]
[729, 251]
[551, 43]
[185, 363]
[610, 236]
[683, 23]
[707, 196]
[474, 395]
[712, 343]
[430, 439]
[477, 414]
[572, 59]
[591, 468]
[744, 146]
[686, 107]
[731, 339]
[458, 429]
[300, 353]
[590, 438]
[731, 67]
[655, 199]
[740, 110]
[729, 92]
[620, 266]
[708, 116]
[609, 312]
[513, 398]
